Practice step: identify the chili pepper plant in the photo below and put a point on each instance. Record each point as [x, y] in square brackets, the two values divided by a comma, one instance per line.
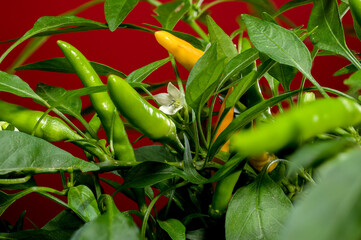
[237, 149]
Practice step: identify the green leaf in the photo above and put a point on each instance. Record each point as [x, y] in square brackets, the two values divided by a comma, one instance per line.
[192, 175]
[281, 45]
[22, 153]
[329, 34]
[65, 220]
[331, 208]
[278, 43]
[154, 153]
[354, 81]
[291, 4]
[257, 211]
[345, 70]
[227, 168]
[239, 63]
[225, 45]
[116, 10]
[203, 78]
[140, 74]
[57, 96]
[174, 228]
[62, 65]
[45, 24]
[112, 225]
[168, 14]
[314, 153]
[82, 201]
[15, 85]
[150, 173]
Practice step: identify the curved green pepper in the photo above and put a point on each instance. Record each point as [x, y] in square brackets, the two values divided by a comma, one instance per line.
[142, 115]
[50, 128]
[296, 125]
[101, 102]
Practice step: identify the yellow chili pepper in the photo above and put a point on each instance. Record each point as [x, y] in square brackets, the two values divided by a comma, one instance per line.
[184, 52]
[260, 161]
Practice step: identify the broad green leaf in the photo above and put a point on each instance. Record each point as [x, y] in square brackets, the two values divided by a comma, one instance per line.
[291, 4]
[82, 201]
[45, 24]
[154, 153]
[112, 225]
[174, 228]
[203, 77]
[62, 65]
[192, 175]
[329, 34]
[36, 234]
[68, 105]
[239, 63]
[116, 10]
[150, 173]
[278, 43]
[225, 46]
[23, 153]
[140, 74]
[15, 85]
[168, 14]
[331, 208]
[196, 42]
[7, 199]
[65, 220]
[257, 211]
[314, 153]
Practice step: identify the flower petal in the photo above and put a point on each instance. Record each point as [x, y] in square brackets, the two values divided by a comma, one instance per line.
[169, 110]
[174, 92]
[163, 99]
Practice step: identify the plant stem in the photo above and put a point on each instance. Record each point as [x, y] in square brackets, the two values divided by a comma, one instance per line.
[198, 30]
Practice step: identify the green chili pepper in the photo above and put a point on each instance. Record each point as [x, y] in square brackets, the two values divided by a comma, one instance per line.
[147, 119]
[355, 7]
[297, 125]
[50, 128]
[101, 102]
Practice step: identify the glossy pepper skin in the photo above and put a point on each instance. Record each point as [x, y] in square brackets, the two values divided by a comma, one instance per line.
[147, 119]
[50, 128]
[297, 125]
[355, 7]
[101, 102]
[184, 52]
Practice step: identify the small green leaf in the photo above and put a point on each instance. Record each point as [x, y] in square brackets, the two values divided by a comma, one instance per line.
[203, 78]
[354, 81]
[23, 153]
[192, 175]
[68, 105]
[331, 208]
[45, 24]
[174, 228]
[225, 45]
[62, 65]
[168, 14]
[291, 4]
[65, 220]
[140, 74]
[154, 153]
[15, 85]
[257, 211]
[150, 173]
[112, 225]
[116, 10]
[82, 201]
[329, 34]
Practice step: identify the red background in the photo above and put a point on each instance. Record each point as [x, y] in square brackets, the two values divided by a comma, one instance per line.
[125, 50]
